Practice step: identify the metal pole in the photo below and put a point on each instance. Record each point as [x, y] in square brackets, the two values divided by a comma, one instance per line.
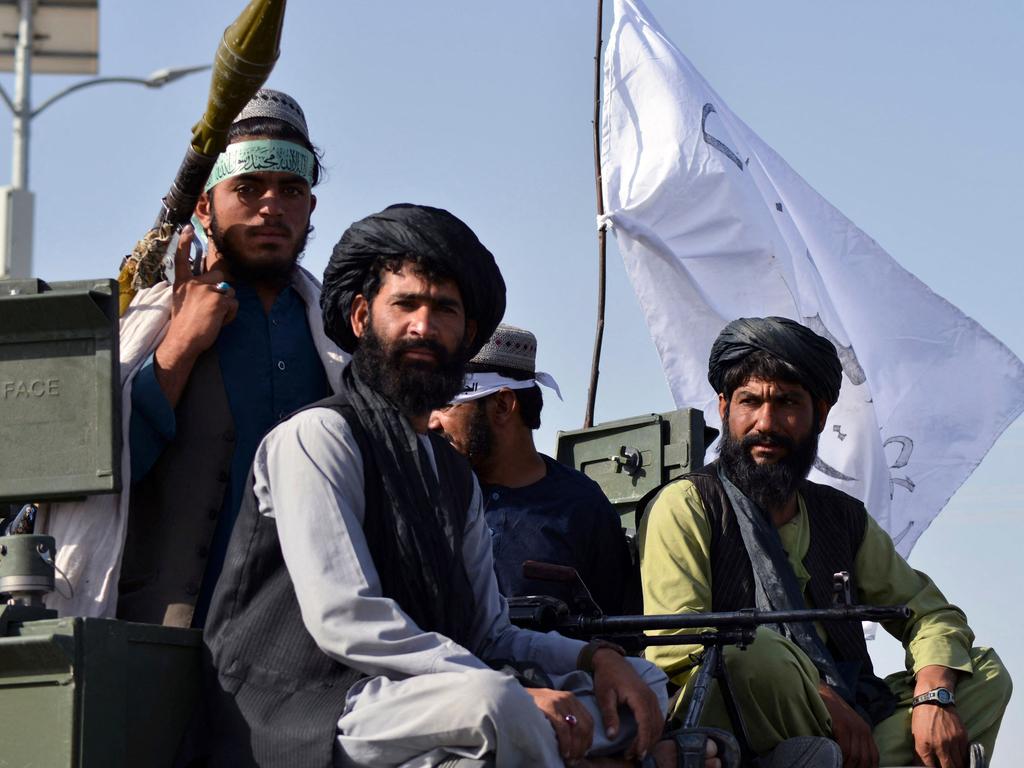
[22, 97]
[16, 202]
[595, 366]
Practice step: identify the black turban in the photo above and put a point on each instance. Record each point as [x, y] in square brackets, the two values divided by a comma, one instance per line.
[813, 356]
[439, 240]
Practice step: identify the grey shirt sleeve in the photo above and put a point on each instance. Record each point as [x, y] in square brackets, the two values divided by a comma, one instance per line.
[308, 475]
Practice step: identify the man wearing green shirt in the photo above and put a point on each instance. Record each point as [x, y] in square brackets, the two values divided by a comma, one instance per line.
[751, 530]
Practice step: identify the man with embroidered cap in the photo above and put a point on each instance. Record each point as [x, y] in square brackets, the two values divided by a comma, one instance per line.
[357, 620]
[536, 508]
[240, 347]
[750, 530]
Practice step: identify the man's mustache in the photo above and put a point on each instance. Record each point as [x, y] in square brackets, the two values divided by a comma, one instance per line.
[767, 439]
[409, 345]
[271, 229]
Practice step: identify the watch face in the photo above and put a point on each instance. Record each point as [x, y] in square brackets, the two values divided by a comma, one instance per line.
[943, 696]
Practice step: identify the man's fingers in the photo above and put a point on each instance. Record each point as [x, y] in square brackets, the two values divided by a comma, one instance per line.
[608, 705]
[583, 732]
[232, 308]
[212, 277]
[649, 724]
[563, 734]
[182, 271]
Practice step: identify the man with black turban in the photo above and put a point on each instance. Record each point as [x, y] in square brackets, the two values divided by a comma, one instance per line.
[749, 530]
[358, 620]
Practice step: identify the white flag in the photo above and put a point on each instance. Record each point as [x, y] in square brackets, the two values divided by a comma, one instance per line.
[714, 225]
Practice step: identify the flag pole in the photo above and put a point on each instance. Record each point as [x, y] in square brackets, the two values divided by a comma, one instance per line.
[588, 419]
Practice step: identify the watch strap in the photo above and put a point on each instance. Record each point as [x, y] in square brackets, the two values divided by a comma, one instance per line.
[585, 661]
[942, 697]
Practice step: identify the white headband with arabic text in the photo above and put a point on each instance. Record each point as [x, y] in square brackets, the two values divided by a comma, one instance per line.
[479, 385]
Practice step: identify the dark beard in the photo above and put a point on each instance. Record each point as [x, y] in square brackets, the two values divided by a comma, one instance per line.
[767, 485]
[480, 439]
[245, 272]
[415, 388]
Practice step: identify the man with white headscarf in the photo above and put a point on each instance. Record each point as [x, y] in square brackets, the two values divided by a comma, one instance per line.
[536, 508]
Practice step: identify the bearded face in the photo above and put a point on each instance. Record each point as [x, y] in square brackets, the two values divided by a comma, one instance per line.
[258, 224]
[416, 374]
[768, 483]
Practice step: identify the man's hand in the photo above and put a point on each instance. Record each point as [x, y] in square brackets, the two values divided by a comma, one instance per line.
[617, 683]
[574, 738]
[198, 311]
[850, 730]
[940, 739]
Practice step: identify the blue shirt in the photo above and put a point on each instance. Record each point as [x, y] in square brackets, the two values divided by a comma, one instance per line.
[565, 519]
[270, 368]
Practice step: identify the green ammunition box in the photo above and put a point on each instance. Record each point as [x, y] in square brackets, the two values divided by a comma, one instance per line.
[630, 457]
[60, 412]
[95, 693]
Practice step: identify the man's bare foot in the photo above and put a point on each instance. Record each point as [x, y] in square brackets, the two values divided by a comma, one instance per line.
[665, 754]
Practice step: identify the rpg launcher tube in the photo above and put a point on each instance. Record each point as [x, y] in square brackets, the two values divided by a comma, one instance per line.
[243, 62]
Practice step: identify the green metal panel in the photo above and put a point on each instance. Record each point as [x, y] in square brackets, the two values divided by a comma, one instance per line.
[631, 457]
[95, 693]
[60, 433]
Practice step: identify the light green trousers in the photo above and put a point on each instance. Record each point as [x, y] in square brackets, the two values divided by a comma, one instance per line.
[776, 687]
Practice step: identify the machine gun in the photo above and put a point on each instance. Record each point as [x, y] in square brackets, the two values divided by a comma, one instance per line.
[713, 631]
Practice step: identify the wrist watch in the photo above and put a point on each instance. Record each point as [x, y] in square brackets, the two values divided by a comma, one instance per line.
[943, 697]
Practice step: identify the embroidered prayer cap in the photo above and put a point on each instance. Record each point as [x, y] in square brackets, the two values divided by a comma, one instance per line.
[508, 348]
[276, 105]
[432, 236]
[812, 356]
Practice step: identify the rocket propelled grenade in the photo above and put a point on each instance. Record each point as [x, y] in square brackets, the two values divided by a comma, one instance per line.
[243, 62]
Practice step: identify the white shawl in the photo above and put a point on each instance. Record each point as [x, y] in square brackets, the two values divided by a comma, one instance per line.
[90, 534]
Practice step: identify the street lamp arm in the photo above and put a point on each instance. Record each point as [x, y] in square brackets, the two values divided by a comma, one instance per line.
[156, 80]
[6, 99]
[85, 84]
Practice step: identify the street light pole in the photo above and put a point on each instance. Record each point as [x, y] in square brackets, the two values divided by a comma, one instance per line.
[17, 206]
[17, 209]
[22, 96]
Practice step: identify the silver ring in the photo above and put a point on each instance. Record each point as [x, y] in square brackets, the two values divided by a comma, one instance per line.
[222, 287]
[571, 720]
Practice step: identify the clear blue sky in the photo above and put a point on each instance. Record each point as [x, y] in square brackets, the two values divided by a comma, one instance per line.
[907, 116]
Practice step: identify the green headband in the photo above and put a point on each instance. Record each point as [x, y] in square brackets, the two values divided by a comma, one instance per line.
[261, 156]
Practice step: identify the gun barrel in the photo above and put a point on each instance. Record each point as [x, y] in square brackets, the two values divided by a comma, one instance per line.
[745, 618]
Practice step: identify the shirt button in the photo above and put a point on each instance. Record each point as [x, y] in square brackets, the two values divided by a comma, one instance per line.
[275, 321]
[229, 435]
[280, 365]
[191, 589]
[495, 496]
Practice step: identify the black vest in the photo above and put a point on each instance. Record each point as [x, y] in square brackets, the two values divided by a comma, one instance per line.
[174, 509]
[273, 697]
[837, 525]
